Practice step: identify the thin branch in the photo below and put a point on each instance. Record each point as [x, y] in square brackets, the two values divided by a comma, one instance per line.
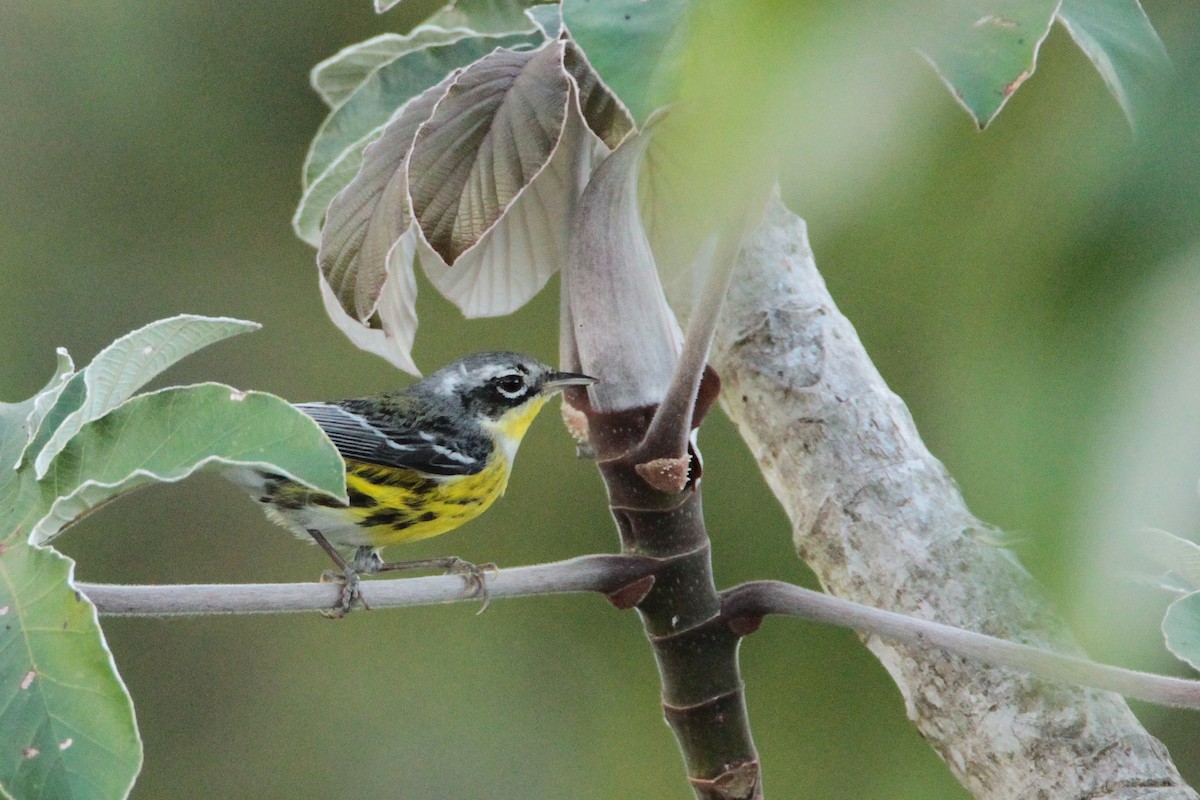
[595, 573]
[609, 573]
[773, 597]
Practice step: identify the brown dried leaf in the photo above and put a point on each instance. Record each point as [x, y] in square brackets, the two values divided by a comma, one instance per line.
[491, 135]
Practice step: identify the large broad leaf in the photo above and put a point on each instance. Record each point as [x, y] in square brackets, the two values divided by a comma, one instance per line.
[391, 85]
[984, 49]
[167, 435]
[636, 47]
[486, 141]
[368, 242]
[368, 217]
[310, 212]
[491, 160]
[66, 720]
[127, 365]
[515, 257]
[1181, 629]
[1121, 43]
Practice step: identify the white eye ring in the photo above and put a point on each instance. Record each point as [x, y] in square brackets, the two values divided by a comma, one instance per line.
[515, 389]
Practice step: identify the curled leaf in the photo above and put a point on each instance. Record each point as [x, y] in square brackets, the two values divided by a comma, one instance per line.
[490, 136]
[602, 111]
[129, 363]
[621, 327]
[515, 257]
[1118, 39]
[391, 85]
[367, 218]
[397, 312]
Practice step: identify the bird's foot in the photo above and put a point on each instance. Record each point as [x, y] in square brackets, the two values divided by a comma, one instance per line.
[473, 574]
[351, 592]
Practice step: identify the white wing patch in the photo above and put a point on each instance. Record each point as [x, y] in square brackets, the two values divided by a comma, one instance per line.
[453, 455]
[356, 421]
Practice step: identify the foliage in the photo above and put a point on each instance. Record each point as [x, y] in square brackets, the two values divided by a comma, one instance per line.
[481, 202]
[488, 240]
[82, 441]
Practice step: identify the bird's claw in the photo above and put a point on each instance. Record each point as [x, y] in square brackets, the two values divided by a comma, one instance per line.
[351, 592]
[474, 574]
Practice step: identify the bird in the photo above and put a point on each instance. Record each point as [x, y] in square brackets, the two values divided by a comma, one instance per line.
[420, 461]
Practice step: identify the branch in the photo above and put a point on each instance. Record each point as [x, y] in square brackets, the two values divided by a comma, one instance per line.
[760, 598]
[610, 574]
[595, 573]
[881, 522]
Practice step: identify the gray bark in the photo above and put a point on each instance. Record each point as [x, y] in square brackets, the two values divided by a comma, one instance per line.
[881, 522]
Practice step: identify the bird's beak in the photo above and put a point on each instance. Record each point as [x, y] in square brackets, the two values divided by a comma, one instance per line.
[556, 381]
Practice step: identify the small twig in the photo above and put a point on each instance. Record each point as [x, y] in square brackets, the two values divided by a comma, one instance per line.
[760, 598]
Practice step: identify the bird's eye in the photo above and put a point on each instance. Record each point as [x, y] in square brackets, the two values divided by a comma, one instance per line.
[511, 385]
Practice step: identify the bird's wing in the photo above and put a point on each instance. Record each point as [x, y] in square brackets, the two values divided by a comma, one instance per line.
[392, 443]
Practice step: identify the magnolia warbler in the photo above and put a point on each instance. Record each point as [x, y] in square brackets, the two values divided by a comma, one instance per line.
[419, 461]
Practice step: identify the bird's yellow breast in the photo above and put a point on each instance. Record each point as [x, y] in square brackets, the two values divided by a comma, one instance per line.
[404, 506]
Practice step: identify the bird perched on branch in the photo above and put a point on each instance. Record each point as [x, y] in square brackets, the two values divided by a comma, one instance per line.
[419, 462]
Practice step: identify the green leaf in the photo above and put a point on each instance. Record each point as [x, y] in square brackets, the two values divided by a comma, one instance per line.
[391, 85]
[1121, 43]
[985, 49]
[338, 76]
[167, 435]
[19, 495]
[486, 16]
[129, 363]
[1181, 629]
[66, 720]
[1171, 552]
[636, 47]
[310, 213]
[548, 18]
[48, 409]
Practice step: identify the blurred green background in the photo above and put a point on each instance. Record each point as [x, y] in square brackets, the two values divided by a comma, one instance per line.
[1033, 293]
